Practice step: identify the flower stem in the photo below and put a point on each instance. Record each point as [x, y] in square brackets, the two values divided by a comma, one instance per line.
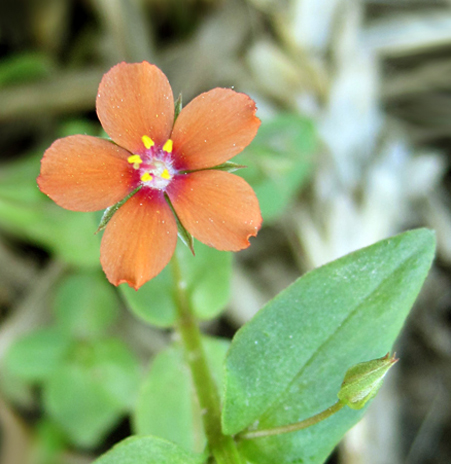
[222, 446]
[293, 427]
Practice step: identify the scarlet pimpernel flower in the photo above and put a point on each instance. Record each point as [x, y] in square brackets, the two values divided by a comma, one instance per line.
[166, 161]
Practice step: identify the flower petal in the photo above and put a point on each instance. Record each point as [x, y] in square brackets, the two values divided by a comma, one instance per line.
[139, 240]
[212, 128]
[218, 208]
[84, 173]
[135, 100]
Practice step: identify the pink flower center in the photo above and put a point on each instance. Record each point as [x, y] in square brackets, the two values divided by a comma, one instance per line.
[155, 165]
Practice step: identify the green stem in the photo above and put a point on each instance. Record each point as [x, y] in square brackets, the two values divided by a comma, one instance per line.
[293, 427]
[222, 446]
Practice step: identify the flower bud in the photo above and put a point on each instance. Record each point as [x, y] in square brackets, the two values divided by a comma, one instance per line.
[362, 381]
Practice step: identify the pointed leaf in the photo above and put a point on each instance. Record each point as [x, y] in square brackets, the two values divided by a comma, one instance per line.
[288, 362]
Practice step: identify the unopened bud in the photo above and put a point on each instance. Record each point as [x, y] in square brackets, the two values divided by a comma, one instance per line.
[362, 381]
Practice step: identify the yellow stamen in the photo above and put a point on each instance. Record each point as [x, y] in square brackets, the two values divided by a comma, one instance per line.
[146, 177]
[147, 141]
[134, 159]
[167, 147]
[165, 174]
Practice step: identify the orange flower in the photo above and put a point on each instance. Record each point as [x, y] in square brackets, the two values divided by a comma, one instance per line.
[136, 108]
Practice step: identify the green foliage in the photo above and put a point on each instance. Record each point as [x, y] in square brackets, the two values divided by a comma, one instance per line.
[279, 161]
[88, 380]
[86, 387]
[37, 355]
[85, 305]
[208, 281]
[91, 391]
[287, 364]
[24, 67]
[50, 443]
[148, 450]
[167, 405]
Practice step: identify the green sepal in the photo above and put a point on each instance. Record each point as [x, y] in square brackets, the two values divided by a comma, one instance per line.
[229, 166]
[177, 107]
[186, 238]
[363, 381]
[109, 212]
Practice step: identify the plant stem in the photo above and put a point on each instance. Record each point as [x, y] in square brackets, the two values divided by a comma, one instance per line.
[293, 427]
[222, 446]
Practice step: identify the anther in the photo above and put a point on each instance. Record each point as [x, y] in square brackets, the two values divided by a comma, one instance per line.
[147, 141]
[165, 175]
[146, 177]
[134, 159]
[167, 147]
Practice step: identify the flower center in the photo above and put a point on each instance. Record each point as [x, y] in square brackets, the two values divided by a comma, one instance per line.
[155, 165]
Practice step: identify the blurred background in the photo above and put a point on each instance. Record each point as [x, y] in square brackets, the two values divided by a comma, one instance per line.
[355, 102]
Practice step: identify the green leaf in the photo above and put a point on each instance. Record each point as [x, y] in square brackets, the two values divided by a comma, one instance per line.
[85, 305]
[17, 390]
[167, 406]
[18, 180]
[208, 281]
[279, 161]
[92, 391]
[153, 302]
[50, 443]
[24, 67]
[118, 369]
[208, 277]
[79, 404]
[288, 362]
[68, 234]
[37, 355]
[148, 450]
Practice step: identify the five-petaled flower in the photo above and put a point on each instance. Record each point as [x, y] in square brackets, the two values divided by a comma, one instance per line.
[171, 160]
